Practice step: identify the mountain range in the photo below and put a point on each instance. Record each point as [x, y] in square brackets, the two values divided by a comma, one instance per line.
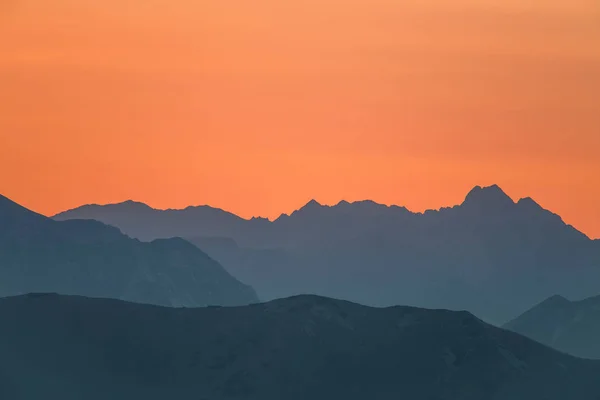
[305, 347]
[489, 255]
[569, 326]
[82, 257]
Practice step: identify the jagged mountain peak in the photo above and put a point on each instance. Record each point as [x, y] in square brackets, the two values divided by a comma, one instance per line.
[488, 197]
[313, 204]
[529, 202]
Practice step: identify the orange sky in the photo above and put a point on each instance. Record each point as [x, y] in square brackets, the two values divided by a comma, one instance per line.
[258, 106]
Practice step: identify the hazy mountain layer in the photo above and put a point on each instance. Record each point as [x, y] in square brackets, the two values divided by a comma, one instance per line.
[58, 347]
[489, 255]
[89, 258]
[569, 326]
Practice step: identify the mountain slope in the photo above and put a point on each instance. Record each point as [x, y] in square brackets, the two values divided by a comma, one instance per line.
[463, 257]
[140, 221]
[89, 258]
[569, 326]
[307, 347]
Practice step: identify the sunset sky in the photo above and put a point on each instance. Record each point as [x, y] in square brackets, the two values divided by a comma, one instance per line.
[258, 106]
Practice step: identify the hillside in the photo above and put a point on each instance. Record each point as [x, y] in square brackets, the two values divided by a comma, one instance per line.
[569, 326]
[89, 258]
[306, 347]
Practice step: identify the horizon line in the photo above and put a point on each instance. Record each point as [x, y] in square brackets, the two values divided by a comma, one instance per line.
[317, 203]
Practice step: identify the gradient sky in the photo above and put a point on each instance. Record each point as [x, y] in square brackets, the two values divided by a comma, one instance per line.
[258, 106]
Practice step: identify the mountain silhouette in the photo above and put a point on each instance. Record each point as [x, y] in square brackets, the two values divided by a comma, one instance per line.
[90, 258]
[569, 326]
[306, 347]
[489, 255]
[145, 223]
[488, 199]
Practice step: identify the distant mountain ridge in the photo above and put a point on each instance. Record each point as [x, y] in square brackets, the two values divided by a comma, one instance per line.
[463, 257]
[146, 223]
[90, 258]
[569, 326]
[305, 347]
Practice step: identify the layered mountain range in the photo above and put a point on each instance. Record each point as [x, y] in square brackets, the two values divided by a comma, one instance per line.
[305, 347]
[89, 258]
[490, 255]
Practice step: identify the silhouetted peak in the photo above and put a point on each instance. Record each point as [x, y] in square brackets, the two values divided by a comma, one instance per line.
[372, 208]
[132, 203]
[7, 204]
[490, 197]
[368, 203]
[203, 207]
[365, 205]
[360, 204]
[311, 205]
[531, 208]
[554, 301]
[203, 211]
[282, 217]
[10, 210]
[529, 203]
[127, 205]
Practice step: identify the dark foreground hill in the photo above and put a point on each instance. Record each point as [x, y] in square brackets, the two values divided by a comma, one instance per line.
[464, 257]
[65, 348]
[89, 258]
[569, 326]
